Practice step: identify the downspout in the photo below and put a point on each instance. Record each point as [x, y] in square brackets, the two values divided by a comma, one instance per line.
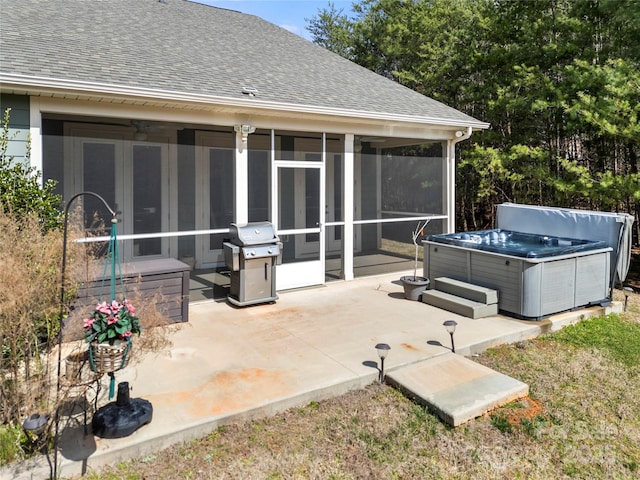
[626, 221]
[451, 176]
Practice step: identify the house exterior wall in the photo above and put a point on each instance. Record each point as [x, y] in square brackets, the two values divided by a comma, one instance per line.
[18, 124]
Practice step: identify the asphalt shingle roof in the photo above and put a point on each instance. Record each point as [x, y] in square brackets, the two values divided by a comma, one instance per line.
[182, 46]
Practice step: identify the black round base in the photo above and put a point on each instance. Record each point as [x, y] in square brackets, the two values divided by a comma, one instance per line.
[123, 417]
[112, 421]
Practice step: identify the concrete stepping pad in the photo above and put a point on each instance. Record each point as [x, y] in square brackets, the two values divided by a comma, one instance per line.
[455, 388]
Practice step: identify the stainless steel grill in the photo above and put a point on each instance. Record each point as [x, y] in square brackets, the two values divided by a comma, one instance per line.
[252, 253]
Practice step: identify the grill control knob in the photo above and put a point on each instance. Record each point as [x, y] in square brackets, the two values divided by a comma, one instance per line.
[269, 251]
[253, 253]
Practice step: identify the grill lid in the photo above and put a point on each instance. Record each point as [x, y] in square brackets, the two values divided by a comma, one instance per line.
[255, 233]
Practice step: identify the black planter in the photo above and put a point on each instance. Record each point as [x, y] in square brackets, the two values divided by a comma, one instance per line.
[414, 286]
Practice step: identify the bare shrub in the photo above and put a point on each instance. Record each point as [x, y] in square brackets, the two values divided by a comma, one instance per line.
[30, 315]
[29, 275]
[156, 331]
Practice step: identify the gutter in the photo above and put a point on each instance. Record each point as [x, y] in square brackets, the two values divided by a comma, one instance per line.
[56, 86]
[463, 135]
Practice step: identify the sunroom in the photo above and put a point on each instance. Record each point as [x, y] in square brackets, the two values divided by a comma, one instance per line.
[229, 119]
[343, 205]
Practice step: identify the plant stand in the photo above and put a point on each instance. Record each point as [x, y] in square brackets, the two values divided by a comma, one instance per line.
[82, 387]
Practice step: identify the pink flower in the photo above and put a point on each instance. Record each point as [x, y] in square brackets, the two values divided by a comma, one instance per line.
[130, 307]
[126, 334]
[103, 308]
[88, 322]
[112, 320]
[115, 306]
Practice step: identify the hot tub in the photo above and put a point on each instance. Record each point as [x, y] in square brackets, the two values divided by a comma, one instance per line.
[535, 275]
[518, 244]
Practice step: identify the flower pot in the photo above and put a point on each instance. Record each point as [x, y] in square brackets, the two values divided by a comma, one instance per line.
[106, 358]
[414, 286]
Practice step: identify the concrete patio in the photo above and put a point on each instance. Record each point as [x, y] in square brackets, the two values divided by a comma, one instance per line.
[232, 364]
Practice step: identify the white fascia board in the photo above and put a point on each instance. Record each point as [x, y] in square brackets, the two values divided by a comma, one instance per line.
[52, 85]
[229, 116]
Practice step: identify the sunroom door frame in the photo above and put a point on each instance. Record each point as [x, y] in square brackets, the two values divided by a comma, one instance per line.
[306, 270]
[303, 271]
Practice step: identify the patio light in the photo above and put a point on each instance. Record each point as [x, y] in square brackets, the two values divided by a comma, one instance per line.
[626, 291]
[245, 131]
[35, 424]
[450, 325]
[383, 351]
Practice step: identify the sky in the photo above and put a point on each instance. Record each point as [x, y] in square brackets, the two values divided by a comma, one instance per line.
[288, 14]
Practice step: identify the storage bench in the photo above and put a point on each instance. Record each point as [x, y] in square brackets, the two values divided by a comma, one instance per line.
[166, 278]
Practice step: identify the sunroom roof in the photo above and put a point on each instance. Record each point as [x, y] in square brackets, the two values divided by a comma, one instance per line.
[176, 48]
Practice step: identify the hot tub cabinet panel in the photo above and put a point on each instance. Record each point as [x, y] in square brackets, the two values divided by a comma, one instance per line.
[589, 277]
[530, 288]
[490, 270]
[555, 282]
[449, 262]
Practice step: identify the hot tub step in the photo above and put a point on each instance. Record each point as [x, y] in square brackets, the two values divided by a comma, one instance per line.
[466, 290]
[459, 305]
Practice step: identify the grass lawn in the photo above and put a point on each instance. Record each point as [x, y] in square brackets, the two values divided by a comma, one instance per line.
[582, 420]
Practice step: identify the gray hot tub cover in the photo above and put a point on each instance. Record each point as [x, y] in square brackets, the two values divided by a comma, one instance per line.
[613, 228]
